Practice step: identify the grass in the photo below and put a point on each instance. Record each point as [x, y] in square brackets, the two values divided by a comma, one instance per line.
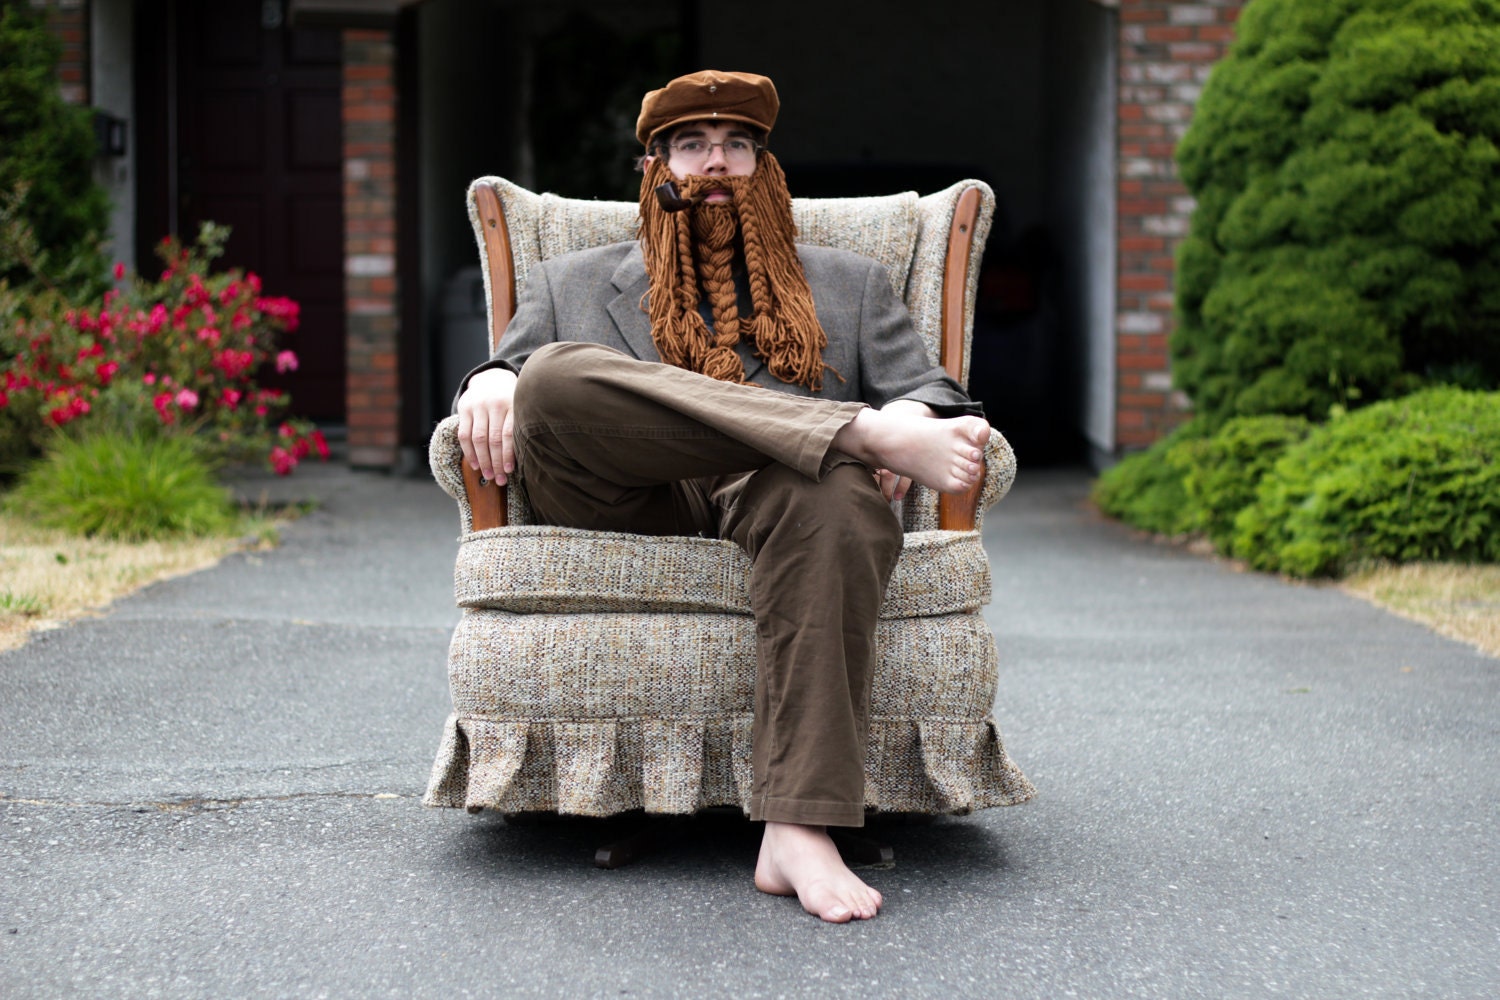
[122, 486]
[49, 577]
[1456, 600]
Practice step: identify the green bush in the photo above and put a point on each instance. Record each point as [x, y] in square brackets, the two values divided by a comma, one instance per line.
[1416, 478]
[52, 211]
[1345, 157]
[130, 488]
[1220, 473]
[1146, 489]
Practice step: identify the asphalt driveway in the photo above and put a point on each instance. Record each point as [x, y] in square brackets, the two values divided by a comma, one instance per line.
[1248, 788]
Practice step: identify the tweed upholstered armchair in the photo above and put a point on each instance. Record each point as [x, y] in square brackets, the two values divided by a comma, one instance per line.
[595, 673]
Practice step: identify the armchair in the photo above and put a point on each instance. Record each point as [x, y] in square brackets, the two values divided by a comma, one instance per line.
[595, 672]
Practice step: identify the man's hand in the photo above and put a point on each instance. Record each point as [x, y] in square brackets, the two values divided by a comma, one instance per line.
[892, 486]
[484, 423]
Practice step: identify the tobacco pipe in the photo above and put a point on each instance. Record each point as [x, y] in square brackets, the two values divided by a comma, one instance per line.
[670, 200]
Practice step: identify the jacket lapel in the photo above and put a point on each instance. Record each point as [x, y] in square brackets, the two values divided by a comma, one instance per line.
[633, 322]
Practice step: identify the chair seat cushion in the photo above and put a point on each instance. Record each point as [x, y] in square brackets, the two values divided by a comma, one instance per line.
[531, 569]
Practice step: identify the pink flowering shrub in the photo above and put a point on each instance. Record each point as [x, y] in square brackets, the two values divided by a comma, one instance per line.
[177, 356]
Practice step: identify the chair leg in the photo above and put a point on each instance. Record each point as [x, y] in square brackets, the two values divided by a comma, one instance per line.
[857, 849]
[653, 834]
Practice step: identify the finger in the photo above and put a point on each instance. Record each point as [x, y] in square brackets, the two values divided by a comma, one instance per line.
[480, 435]
[508, 443]
[903, 485]
[887, 481]
[496, 425]
[465, 427]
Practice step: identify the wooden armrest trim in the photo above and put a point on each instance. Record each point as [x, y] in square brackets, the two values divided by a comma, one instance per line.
[502, 274]
[486, 500]
[956, 282]
[958, 511]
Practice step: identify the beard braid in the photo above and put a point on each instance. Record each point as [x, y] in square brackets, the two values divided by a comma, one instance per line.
[686, 250]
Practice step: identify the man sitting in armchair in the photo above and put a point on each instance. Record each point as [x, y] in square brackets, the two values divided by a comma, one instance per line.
[630, 393]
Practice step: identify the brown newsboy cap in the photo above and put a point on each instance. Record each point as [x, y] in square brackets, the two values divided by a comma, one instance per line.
[710, 94]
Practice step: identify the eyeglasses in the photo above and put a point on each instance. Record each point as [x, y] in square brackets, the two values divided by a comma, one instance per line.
[736, 151]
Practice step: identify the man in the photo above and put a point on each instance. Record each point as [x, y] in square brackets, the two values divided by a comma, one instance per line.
[714, 378]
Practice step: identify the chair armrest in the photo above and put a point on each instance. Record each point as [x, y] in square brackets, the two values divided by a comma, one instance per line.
[480, 505]
[492, 506]
[924, 510]
[999, 475]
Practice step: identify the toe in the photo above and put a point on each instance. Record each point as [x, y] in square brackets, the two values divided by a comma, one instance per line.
[837, 915]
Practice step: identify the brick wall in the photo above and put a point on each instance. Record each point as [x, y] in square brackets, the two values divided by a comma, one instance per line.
[69, 21]
[1167, 48]
[369, 106]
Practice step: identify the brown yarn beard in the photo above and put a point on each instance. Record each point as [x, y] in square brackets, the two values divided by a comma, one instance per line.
[696, 248]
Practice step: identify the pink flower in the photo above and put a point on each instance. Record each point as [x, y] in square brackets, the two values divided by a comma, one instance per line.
[283, 309]
[231, 398]
[163, 403]
[320, 444]
[286, 361]
[119, 271]
[149, 378]
[282, 461]
[187, 398]
[105, 370]
[233, 363]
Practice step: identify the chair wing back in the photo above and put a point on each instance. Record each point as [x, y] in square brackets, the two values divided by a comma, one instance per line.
[911, 236]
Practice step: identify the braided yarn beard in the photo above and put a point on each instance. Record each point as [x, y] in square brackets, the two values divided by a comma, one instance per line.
[695, 248]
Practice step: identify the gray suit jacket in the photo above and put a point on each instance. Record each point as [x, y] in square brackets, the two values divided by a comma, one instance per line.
[597, 296]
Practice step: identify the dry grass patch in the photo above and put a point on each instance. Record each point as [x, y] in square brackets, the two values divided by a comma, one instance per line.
[1458, 601]
[50, 577]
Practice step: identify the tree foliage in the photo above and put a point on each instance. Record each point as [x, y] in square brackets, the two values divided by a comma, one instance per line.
[1346, 245]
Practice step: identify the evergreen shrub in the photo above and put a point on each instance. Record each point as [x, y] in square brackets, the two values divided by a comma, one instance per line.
[1146, 489]
[1417, 478]
[1345, 158]
[52, 211]
[1220, 473]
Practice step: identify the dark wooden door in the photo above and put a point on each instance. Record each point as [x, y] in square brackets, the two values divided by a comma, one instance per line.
[260, 149]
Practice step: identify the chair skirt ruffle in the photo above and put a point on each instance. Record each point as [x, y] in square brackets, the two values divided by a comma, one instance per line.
[596, 714]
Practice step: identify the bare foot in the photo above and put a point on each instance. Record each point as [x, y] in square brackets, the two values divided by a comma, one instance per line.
[802, 861]
[944, 455]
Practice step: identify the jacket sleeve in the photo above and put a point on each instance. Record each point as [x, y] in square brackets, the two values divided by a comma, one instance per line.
[534, 324]
[893, 363]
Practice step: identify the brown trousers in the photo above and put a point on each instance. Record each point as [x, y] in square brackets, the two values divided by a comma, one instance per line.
[606, 442]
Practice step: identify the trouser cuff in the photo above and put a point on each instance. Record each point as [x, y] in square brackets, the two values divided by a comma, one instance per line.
[807, 812]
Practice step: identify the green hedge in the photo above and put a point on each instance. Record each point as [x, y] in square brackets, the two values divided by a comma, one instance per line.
[1411, 479]
[1146, 489]
[1345, 158]
[1219, 474]
[1417, 478]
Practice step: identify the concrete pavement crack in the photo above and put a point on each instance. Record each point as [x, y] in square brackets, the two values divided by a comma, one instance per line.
[198, 804]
